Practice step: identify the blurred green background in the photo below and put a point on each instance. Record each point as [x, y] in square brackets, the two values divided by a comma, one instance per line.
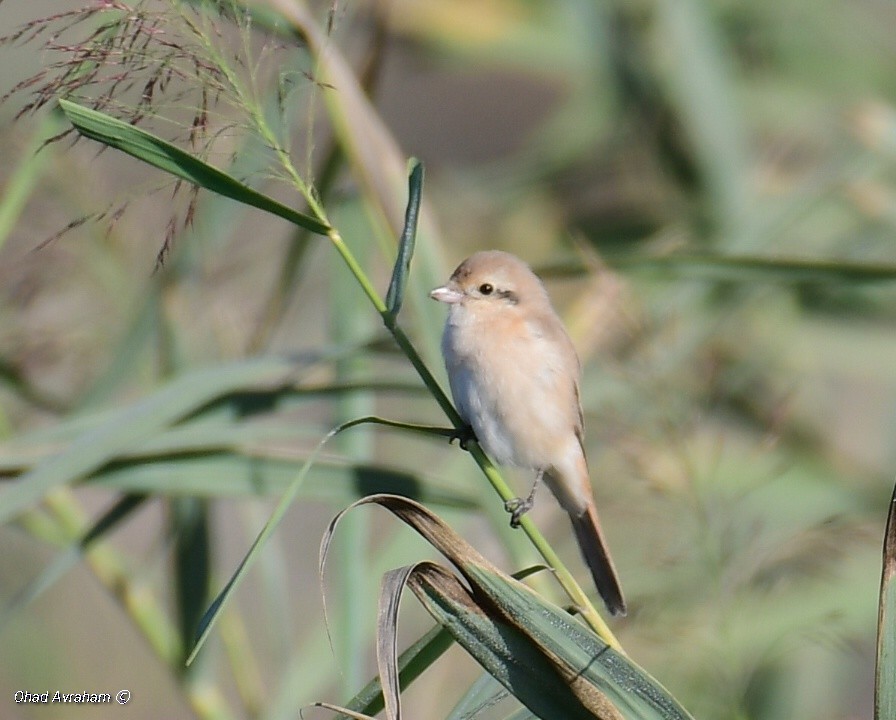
[709, 191]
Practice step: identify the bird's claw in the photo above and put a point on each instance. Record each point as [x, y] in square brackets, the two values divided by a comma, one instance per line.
[463, 436]
[517, 508]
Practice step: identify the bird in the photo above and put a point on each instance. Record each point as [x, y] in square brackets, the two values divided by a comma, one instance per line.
[514, 376]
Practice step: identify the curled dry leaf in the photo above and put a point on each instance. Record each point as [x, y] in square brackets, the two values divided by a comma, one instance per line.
[551, 662]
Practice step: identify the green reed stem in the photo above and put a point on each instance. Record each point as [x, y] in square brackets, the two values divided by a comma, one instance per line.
[564, 577]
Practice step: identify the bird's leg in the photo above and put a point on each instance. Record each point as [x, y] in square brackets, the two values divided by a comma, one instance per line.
[463, 436]
[519, 507]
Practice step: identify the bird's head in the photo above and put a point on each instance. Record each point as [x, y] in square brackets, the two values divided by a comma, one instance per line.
[489, 281]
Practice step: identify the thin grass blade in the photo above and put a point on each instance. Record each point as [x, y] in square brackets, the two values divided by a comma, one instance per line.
[378, 164]
[210, 617]
[484, 693]
[72, 555]
[885, 678]
[20, 184]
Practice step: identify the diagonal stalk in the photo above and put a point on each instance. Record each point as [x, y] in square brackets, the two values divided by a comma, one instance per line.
[564, 577]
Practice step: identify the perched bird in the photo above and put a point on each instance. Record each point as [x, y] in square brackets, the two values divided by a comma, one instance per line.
[514, 375]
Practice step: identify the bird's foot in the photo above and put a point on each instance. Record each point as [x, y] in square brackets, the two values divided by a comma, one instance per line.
[517, 508]
[463, 436]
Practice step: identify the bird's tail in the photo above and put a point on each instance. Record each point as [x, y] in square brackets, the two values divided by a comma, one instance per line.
[594, 550]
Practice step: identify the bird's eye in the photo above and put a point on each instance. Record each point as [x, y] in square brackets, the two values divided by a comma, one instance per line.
[486, 289]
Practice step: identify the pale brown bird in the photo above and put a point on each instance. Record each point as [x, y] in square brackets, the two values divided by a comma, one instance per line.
[514, 375]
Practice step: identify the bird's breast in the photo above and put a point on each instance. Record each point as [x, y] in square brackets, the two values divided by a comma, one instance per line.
[510, 384]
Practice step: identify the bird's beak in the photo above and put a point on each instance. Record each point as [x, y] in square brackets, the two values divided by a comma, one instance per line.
[447, 295]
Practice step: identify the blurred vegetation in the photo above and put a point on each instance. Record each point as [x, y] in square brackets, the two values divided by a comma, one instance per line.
[709, 189]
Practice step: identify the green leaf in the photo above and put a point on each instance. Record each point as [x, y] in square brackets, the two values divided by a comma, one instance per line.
[742, 268]
[628, 687]
[885, 678]
[163, 155]
[203, 433]
[192, 563]
[222, 475]
[696, 73]
[505, 652]
[550, 661]
[128, 428]
[411, 664]
[779, 269]
[395, 294]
